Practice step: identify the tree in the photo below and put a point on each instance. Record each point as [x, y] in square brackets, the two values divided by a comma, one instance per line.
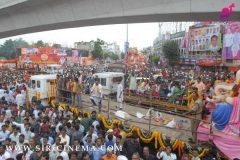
[55, 45]
[170, 50]
[40, 44]
[97, 51]
[154, 58]
[114, 56]
[9, 48]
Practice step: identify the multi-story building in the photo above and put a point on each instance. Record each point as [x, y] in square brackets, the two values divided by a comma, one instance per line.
[158, 42]
[88, 46]
[111, 48]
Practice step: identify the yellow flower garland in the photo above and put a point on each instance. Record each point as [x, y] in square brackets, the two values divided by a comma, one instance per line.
[177, 144]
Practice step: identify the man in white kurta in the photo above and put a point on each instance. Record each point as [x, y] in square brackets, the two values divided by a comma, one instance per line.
[20, 100]
[119, 95]
[96, 95]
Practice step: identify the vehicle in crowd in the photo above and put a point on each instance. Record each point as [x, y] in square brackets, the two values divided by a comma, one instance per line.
[54, 69]
[42, 87]
[109, 81]
[116, 67]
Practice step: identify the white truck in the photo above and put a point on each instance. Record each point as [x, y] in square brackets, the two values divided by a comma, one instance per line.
[54, 69]
[42, 87]
[109, 81]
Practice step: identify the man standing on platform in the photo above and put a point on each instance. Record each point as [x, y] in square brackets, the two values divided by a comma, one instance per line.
[96, 95]
[119, 95]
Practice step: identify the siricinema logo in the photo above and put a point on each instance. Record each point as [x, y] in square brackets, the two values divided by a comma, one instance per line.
[226, 13]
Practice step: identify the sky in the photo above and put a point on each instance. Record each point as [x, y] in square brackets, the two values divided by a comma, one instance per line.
[140, 35]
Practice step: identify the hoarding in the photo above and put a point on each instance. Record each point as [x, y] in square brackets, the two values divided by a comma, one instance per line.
[205, 38]
[42, 56]
[75, 57]
[231, 41]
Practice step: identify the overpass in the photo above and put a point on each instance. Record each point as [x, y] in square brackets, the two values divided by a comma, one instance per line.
[28, 16]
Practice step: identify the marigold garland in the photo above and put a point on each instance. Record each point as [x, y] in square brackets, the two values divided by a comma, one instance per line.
[156, 136]
[235, 89]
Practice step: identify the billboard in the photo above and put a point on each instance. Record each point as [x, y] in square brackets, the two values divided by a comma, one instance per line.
[184, 42]
[126, 47]
[205, 38]
[75, 57]
[231, 41]
[42, 56]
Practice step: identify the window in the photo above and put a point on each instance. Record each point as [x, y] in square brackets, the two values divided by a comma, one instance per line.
[33, 84]
[103, 81]
[38, 84]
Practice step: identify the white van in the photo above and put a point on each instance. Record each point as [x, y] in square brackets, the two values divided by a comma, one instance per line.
[54, 69]
[109, 81]
[41, 87]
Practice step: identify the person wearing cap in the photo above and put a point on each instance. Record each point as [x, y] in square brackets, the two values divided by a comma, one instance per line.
[110, 131]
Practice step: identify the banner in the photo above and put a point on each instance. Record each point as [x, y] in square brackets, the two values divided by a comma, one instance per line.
[231, 41]
[62, 52]
[185, 42]
[205, 38]
[75, 57]
[126, 47]
[42, 56]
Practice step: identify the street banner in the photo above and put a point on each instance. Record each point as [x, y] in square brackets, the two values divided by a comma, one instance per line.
[75, 57]
[231, 41]
[205, 38]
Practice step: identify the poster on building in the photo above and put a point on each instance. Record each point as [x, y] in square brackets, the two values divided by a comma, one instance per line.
[231, 41]
[32, 50]
[62, 52]
[205, 38]
[75, 57]
[24, 51]
[44, 56]
[185, 42]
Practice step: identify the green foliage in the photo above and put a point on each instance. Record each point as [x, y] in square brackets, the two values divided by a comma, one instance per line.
[97, 51]
[9, 48]
[154, 58]
[170, 49]
[55, 45]
[114, 56]
[40, 44]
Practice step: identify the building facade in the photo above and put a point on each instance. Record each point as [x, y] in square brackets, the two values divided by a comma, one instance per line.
[111, 48]
[89, 46]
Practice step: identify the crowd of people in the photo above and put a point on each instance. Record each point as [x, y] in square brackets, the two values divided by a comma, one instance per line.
[42, 132]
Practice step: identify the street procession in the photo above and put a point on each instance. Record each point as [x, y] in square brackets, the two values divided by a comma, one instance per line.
[116, 88]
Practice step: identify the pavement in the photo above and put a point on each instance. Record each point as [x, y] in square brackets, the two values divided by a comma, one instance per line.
[183, 134]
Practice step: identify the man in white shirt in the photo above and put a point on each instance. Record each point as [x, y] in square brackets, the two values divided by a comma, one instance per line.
[65, 139]
[15, 150]
[62, 153]
[228, 42]
[3, 153]
[15, 135]
[4, 134]
[20, 100]
[119, 95]
[26, 150]
[236, 42]
[96, 95]
[21, 112]
[7, 97]
[166, 155]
